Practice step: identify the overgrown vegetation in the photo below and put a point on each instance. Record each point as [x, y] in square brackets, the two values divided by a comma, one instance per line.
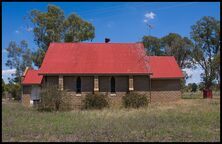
[135, 100]
[197, 95]
[95, 101]
[13, 89]
[53, 99]
[186, 120]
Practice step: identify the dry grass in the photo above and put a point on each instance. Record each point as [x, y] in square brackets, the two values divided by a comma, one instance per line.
[184, 120]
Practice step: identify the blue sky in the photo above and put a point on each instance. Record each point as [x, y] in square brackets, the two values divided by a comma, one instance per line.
[120, 21]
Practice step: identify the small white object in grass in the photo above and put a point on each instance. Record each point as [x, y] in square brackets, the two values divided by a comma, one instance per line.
[112, 94]
[31, 102]
[78, 94]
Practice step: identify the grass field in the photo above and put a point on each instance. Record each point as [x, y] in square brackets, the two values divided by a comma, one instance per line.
[185, 120]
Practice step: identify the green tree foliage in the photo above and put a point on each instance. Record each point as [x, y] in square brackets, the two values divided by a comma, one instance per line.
[194, 87]
[15, 90]
[19, 57]
[53, 99]
[77, 30]
[201, 86]
[206, 53]
[52, 26]
[3, 86]
[171, 45]
[152, 45]
[179, 47]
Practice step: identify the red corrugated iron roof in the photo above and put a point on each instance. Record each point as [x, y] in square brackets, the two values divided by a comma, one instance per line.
[102, 58]
[164, 67]
[32, 77]
[94, 58]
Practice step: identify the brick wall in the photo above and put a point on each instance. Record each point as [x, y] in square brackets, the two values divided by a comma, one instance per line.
[26, 95]
[165, 96]
[141, 83]
[164, 90]
[121, 83]
[26, 89]
[51, 80]
[26, 100]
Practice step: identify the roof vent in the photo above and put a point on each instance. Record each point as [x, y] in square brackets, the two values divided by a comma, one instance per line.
[107, 40]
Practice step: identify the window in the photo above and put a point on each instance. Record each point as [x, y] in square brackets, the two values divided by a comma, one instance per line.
[113, 85]
[78, 85]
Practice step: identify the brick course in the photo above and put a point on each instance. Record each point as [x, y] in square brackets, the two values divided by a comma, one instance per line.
[26, 100]
[163, 90]
[165, 96]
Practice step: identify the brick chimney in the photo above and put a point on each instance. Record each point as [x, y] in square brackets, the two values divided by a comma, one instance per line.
[107, 40]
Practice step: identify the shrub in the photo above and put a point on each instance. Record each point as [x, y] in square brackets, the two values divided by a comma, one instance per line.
[135, 100]
[194, 87]
[53, 99]
[14, 90]
[95, 101]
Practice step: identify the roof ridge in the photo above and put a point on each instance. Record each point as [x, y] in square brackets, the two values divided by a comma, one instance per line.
[95, 43]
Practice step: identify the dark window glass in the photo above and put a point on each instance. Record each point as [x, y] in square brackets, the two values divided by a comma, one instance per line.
[113, 85]
[78, 85]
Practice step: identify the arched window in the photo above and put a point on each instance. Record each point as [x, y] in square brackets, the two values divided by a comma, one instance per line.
[78, 85]
[113, 85]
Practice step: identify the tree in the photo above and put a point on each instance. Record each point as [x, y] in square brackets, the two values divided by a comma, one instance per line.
[19, 57]
[15, 90]
[52, 26]
[152, 45]
[194, 87]
[206, 36]
[201, 86]
[77, 29]
[216, 63]
[48, 26]
[179, 47]
[3, 86]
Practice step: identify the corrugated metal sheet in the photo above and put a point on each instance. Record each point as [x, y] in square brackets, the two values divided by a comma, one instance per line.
[103, 58]
[32, 77]
[94, 58]
[164, 67]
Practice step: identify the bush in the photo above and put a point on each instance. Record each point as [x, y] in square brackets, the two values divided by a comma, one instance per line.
[95, 101]
[14, 90]
[135, 100]
[53, 99]
[194, 87]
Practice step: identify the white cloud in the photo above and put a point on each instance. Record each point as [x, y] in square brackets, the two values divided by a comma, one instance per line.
[150, 15]
[10, 71]
[29, 29]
